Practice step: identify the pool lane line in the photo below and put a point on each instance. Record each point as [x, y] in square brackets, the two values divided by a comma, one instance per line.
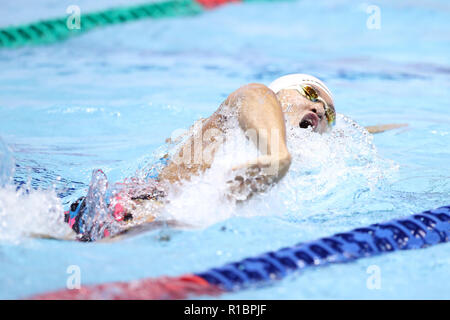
[413, 232]
[56, 30]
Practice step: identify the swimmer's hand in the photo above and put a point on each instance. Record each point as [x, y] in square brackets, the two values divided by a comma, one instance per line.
[257, 175]
[275, 167]
[385, 127]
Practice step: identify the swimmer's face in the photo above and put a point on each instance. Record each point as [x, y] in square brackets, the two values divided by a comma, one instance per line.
[301, 112]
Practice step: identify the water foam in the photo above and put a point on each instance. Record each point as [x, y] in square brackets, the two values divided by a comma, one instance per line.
[328, 172]
[34, 213]
[27, 212]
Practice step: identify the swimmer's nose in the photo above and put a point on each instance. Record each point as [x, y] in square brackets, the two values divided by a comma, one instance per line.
[319, 112]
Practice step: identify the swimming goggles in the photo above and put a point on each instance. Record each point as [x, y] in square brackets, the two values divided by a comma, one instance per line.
[311, 94]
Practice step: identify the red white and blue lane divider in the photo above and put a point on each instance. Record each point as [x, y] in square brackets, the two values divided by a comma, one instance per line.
[414, 232]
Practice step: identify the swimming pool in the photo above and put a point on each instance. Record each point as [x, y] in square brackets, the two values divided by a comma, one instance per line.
[109, 98]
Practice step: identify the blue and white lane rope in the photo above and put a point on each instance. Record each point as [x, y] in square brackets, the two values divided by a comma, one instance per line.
[413, 232]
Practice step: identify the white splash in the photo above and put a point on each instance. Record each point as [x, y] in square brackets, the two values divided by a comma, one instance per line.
[203, 200]
[35, 213]
[27, 212]
[326, 174]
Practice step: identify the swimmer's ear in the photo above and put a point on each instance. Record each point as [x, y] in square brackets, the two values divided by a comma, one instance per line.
[385, 127]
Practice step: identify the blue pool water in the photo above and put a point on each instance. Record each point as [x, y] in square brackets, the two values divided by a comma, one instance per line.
[109, 99]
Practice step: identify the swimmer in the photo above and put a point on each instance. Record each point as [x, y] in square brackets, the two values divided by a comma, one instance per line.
[262, 113]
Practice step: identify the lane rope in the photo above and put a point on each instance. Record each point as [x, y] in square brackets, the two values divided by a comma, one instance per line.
[56, 30]
[413, 232]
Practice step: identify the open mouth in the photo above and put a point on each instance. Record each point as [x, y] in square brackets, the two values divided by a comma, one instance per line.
[309, 120]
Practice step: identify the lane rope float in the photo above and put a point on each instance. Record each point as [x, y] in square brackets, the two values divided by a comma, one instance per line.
[413, 232]
[55, 30]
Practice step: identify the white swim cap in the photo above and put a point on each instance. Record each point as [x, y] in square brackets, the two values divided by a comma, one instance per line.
[296, 80]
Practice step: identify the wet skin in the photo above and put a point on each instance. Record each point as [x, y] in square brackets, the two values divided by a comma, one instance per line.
[257, 108]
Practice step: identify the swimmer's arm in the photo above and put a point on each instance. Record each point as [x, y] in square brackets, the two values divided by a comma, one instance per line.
[185, 133]
[261, 118]
[385, 127]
